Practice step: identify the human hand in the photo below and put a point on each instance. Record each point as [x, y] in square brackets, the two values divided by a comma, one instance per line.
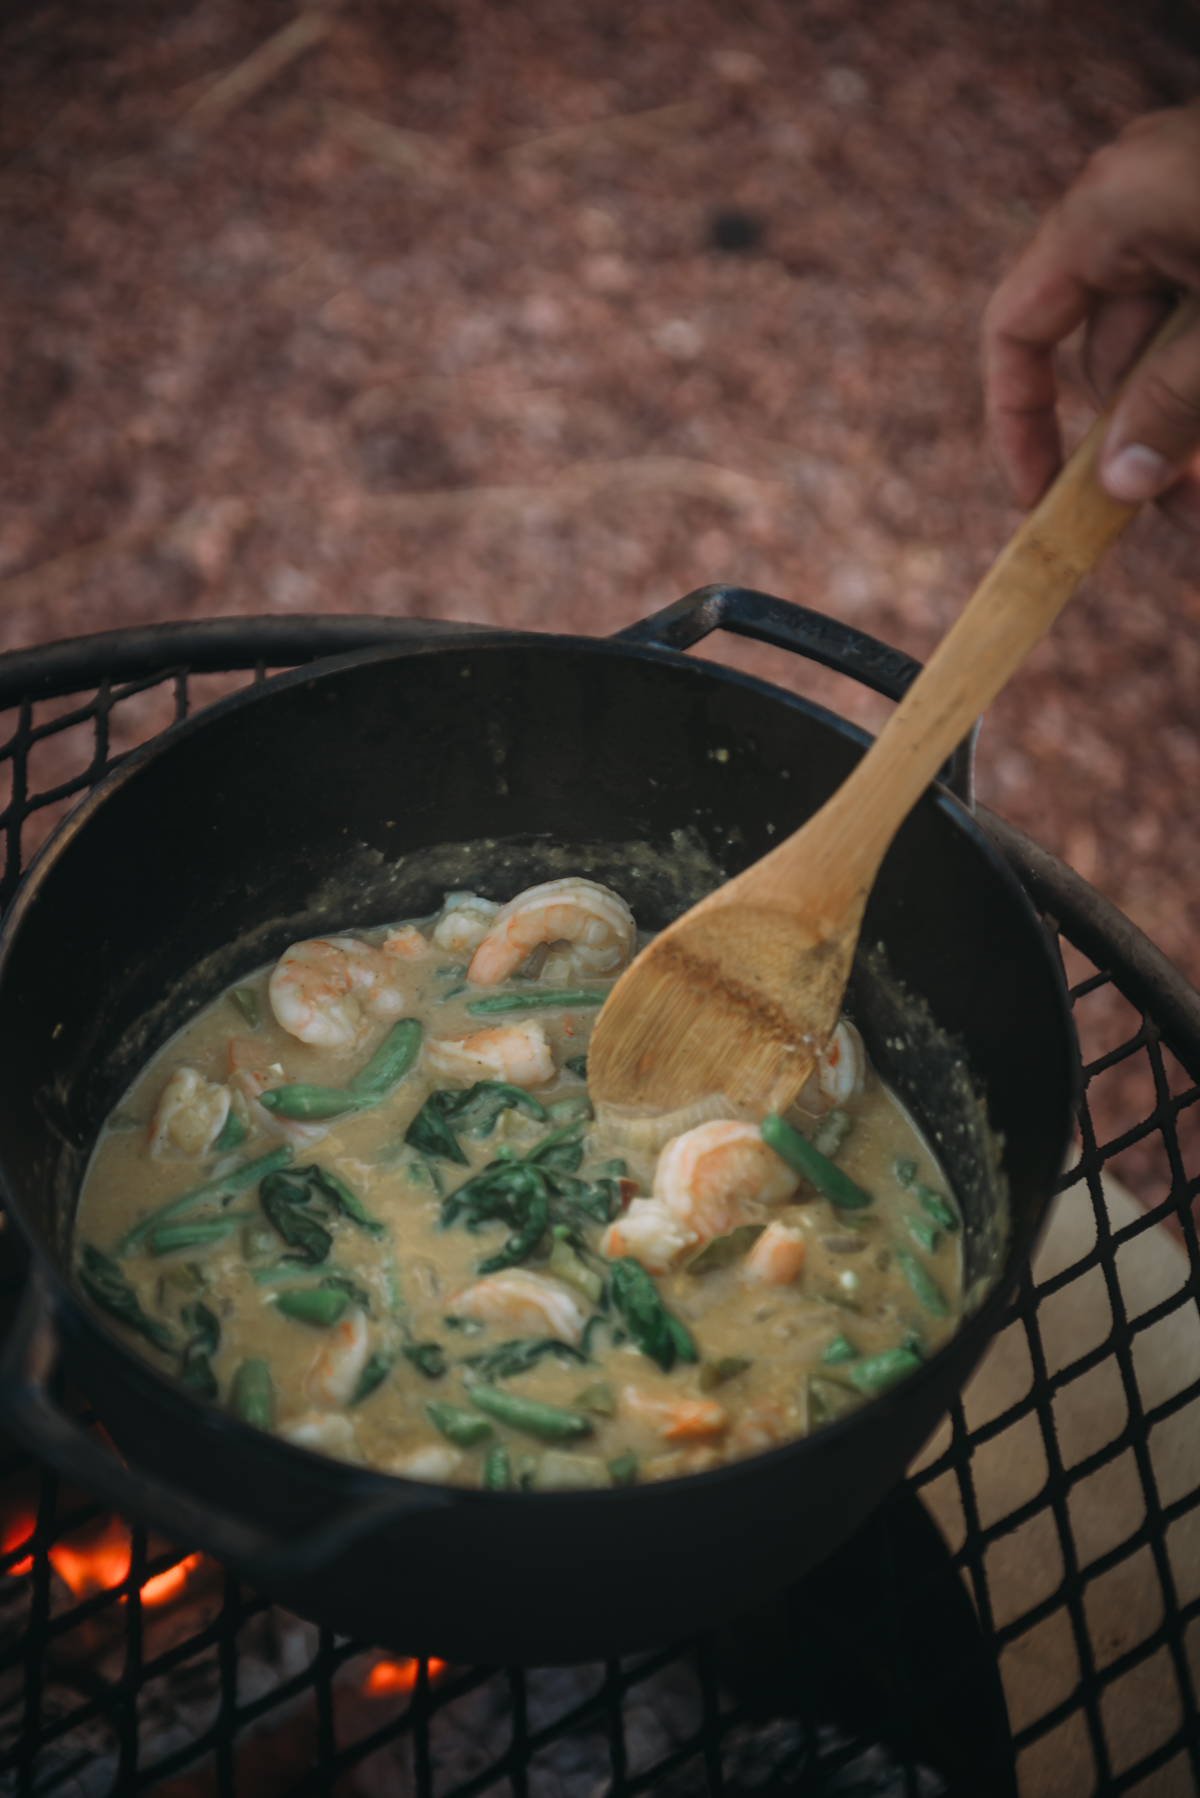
[1116, 249]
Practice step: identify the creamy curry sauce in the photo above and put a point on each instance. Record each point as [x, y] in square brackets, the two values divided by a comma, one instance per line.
[357, 1209]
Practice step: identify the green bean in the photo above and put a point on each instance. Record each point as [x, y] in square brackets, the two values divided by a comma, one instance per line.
[291, 1269]
[544, 1001]
[461, 1427]
[925, 1287]
[195, 1233]
[497, 1471]
[246, 1000]
[623, 1471]
[878, 1372]
[799, 1154]
[549, 1422]
[923, 1231]
[225, 1185]
[395, 1057]
[935, 1207]
[576, 1064]
[452, 992]
[252, 1395]
[322, 1306]
[233, 1133]
[309, 1102]
[840, 1349]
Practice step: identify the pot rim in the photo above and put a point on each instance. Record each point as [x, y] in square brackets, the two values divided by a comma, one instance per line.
[978, 1327]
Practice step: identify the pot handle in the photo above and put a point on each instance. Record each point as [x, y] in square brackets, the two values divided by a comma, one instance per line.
[807, 633]
[29, 1410]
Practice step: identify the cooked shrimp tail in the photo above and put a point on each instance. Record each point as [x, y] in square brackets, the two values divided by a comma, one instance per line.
[593, 920]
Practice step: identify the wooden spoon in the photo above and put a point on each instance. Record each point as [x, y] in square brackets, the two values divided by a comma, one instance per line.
[741, 994]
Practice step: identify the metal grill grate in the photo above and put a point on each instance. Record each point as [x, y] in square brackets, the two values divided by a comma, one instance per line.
[877, 1674]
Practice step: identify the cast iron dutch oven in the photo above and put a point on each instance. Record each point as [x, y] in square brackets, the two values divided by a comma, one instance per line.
[336, 794]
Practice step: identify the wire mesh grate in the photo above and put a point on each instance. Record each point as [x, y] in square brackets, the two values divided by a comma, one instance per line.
[1053, 1622]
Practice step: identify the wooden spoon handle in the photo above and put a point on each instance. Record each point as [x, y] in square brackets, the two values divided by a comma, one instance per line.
[1010, 611]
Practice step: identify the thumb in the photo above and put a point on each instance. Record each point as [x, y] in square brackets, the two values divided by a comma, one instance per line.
[1155, 428]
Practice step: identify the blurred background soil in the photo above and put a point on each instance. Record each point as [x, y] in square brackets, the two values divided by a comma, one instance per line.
[543, 313]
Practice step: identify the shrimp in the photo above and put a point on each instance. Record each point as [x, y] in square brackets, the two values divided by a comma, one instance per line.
[703, 1184]
[333, 1378]
[518, 1053]
[709, 1175]
[676, 1419]
[776, 1257]
[435, 1463]
[330, 990]
[595, 921]
[250, 1077]
[525, 1302]
[840, 1072]
[464, 923]
[191, 1114]
[328, 1433]
[650, 1233]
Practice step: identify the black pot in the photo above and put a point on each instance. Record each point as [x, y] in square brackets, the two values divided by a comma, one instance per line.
[329, 796]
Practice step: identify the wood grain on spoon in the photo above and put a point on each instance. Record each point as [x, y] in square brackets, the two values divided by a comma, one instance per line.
[740, 994]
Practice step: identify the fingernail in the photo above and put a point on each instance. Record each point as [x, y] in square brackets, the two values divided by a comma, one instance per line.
[1136, 473]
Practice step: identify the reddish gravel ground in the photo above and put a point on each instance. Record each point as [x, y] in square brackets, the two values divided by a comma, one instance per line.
[410, 310]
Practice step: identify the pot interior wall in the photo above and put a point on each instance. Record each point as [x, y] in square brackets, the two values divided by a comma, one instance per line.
[362, 792]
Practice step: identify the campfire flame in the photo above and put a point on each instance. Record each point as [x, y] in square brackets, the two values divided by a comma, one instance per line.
[98, 1564]
[386, 1678]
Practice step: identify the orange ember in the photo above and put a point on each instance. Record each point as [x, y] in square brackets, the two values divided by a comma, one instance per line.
[96, 1565]
[15, 1535]
[388, 1677]
[165, 1586]
[100, 1563]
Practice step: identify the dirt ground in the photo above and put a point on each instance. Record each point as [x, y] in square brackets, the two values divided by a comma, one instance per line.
[545, 313]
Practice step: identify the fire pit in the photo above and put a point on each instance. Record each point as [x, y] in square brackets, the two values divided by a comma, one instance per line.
[911, 1662]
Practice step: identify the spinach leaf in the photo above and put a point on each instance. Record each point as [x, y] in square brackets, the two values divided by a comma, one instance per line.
[507, 1359]
[652, 1327]
[107, 1287]
[562, 1150]
[444, 1113]
[508, 1192]
[430, 1134]
[430, 1357]
[283, 1197]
